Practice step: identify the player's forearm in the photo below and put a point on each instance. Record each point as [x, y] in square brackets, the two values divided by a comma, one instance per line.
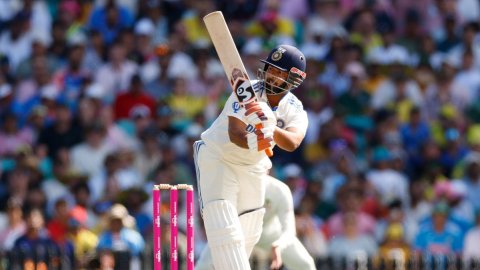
[239, 140]
[237, 132]
[288, 140]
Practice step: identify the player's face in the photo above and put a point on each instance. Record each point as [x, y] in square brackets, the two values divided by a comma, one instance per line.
[276, 80]
[275, 76]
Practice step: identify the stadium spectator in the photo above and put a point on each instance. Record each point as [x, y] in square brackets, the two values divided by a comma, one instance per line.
[57, 226]
[472, 177]
[15, 226]
[349, 200]
[35, 247]
[394, 247]
[115, 75]
[71, 80]
[63, 133]
[110, 19]
[352, 242]
[87, 157]
[308, 228]
[83, 240]
[17, 36]
[472, 248]
[126, 103]
[13, 138]
[389, 184]
[396, 217]
[120, 235]
[439, 235]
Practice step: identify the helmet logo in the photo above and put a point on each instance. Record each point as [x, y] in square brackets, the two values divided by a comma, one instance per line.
[277, 55]
[298, 72]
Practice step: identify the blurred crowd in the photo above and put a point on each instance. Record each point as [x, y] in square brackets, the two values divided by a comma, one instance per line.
[102, 99]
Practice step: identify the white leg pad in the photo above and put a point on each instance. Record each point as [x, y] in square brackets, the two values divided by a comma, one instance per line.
[252, 223]
[225, 236]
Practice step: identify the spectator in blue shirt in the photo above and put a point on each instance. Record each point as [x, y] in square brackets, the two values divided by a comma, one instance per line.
[35, 246]
[439, 236]
[110, 20]
[119, 236]
[134, 198]
[454, 150]
[415, 132]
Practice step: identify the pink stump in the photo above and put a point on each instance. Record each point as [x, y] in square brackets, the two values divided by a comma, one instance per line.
[157, 253]
[190, 235]
[173, 228]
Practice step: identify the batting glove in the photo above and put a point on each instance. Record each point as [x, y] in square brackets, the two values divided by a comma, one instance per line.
[260, 139]
[259, 113]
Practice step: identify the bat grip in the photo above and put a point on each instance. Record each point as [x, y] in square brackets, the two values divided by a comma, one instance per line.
[269, 150]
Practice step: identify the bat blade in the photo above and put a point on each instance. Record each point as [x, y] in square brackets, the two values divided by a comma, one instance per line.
[230, 58]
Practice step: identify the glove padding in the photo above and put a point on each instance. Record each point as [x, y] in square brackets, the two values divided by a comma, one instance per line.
[260, 139]
[259, 113]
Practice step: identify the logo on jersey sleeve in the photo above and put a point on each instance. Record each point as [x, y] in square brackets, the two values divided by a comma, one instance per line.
[280, 123]
[235, 106]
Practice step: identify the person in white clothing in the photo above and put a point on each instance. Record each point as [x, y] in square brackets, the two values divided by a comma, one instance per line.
[471, 249]
[278, 237]
[231, 162]
[87, 157]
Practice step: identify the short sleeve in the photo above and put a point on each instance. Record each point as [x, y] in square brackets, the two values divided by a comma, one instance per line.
[298, 120]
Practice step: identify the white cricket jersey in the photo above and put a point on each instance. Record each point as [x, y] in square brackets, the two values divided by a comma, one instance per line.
[279, 218]
[289, 113]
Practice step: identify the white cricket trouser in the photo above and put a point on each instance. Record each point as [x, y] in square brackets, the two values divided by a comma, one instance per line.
[218, 180]
[224, 187]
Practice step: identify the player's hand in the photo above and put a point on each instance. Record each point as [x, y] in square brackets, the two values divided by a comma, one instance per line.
[260, 139]
[259, 113]
[276, 259]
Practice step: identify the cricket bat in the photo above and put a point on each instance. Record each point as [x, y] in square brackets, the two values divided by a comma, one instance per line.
[231, 61]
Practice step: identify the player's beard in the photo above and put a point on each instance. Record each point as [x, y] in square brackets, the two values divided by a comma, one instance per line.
[276, 90]
[271, 89]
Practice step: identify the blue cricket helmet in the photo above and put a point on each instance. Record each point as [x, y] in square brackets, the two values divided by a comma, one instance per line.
[286, 57]
[289, 59]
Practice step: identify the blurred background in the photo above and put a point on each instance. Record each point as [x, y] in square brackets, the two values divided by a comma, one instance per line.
[101, 99]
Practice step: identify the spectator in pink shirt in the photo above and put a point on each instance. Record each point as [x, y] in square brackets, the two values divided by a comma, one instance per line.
[12, 137]
[349, 198]
[293, 10]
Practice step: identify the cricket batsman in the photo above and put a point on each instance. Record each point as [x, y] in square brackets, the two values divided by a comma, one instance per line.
[231, 163]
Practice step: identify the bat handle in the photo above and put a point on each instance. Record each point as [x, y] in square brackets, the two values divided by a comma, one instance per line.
[269, 150]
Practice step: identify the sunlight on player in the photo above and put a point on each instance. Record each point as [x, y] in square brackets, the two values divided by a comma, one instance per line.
[232, 165]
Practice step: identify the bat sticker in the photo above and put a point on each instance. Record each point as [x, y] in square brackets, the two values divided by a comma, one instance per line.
[244, 91]
[237, 74]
